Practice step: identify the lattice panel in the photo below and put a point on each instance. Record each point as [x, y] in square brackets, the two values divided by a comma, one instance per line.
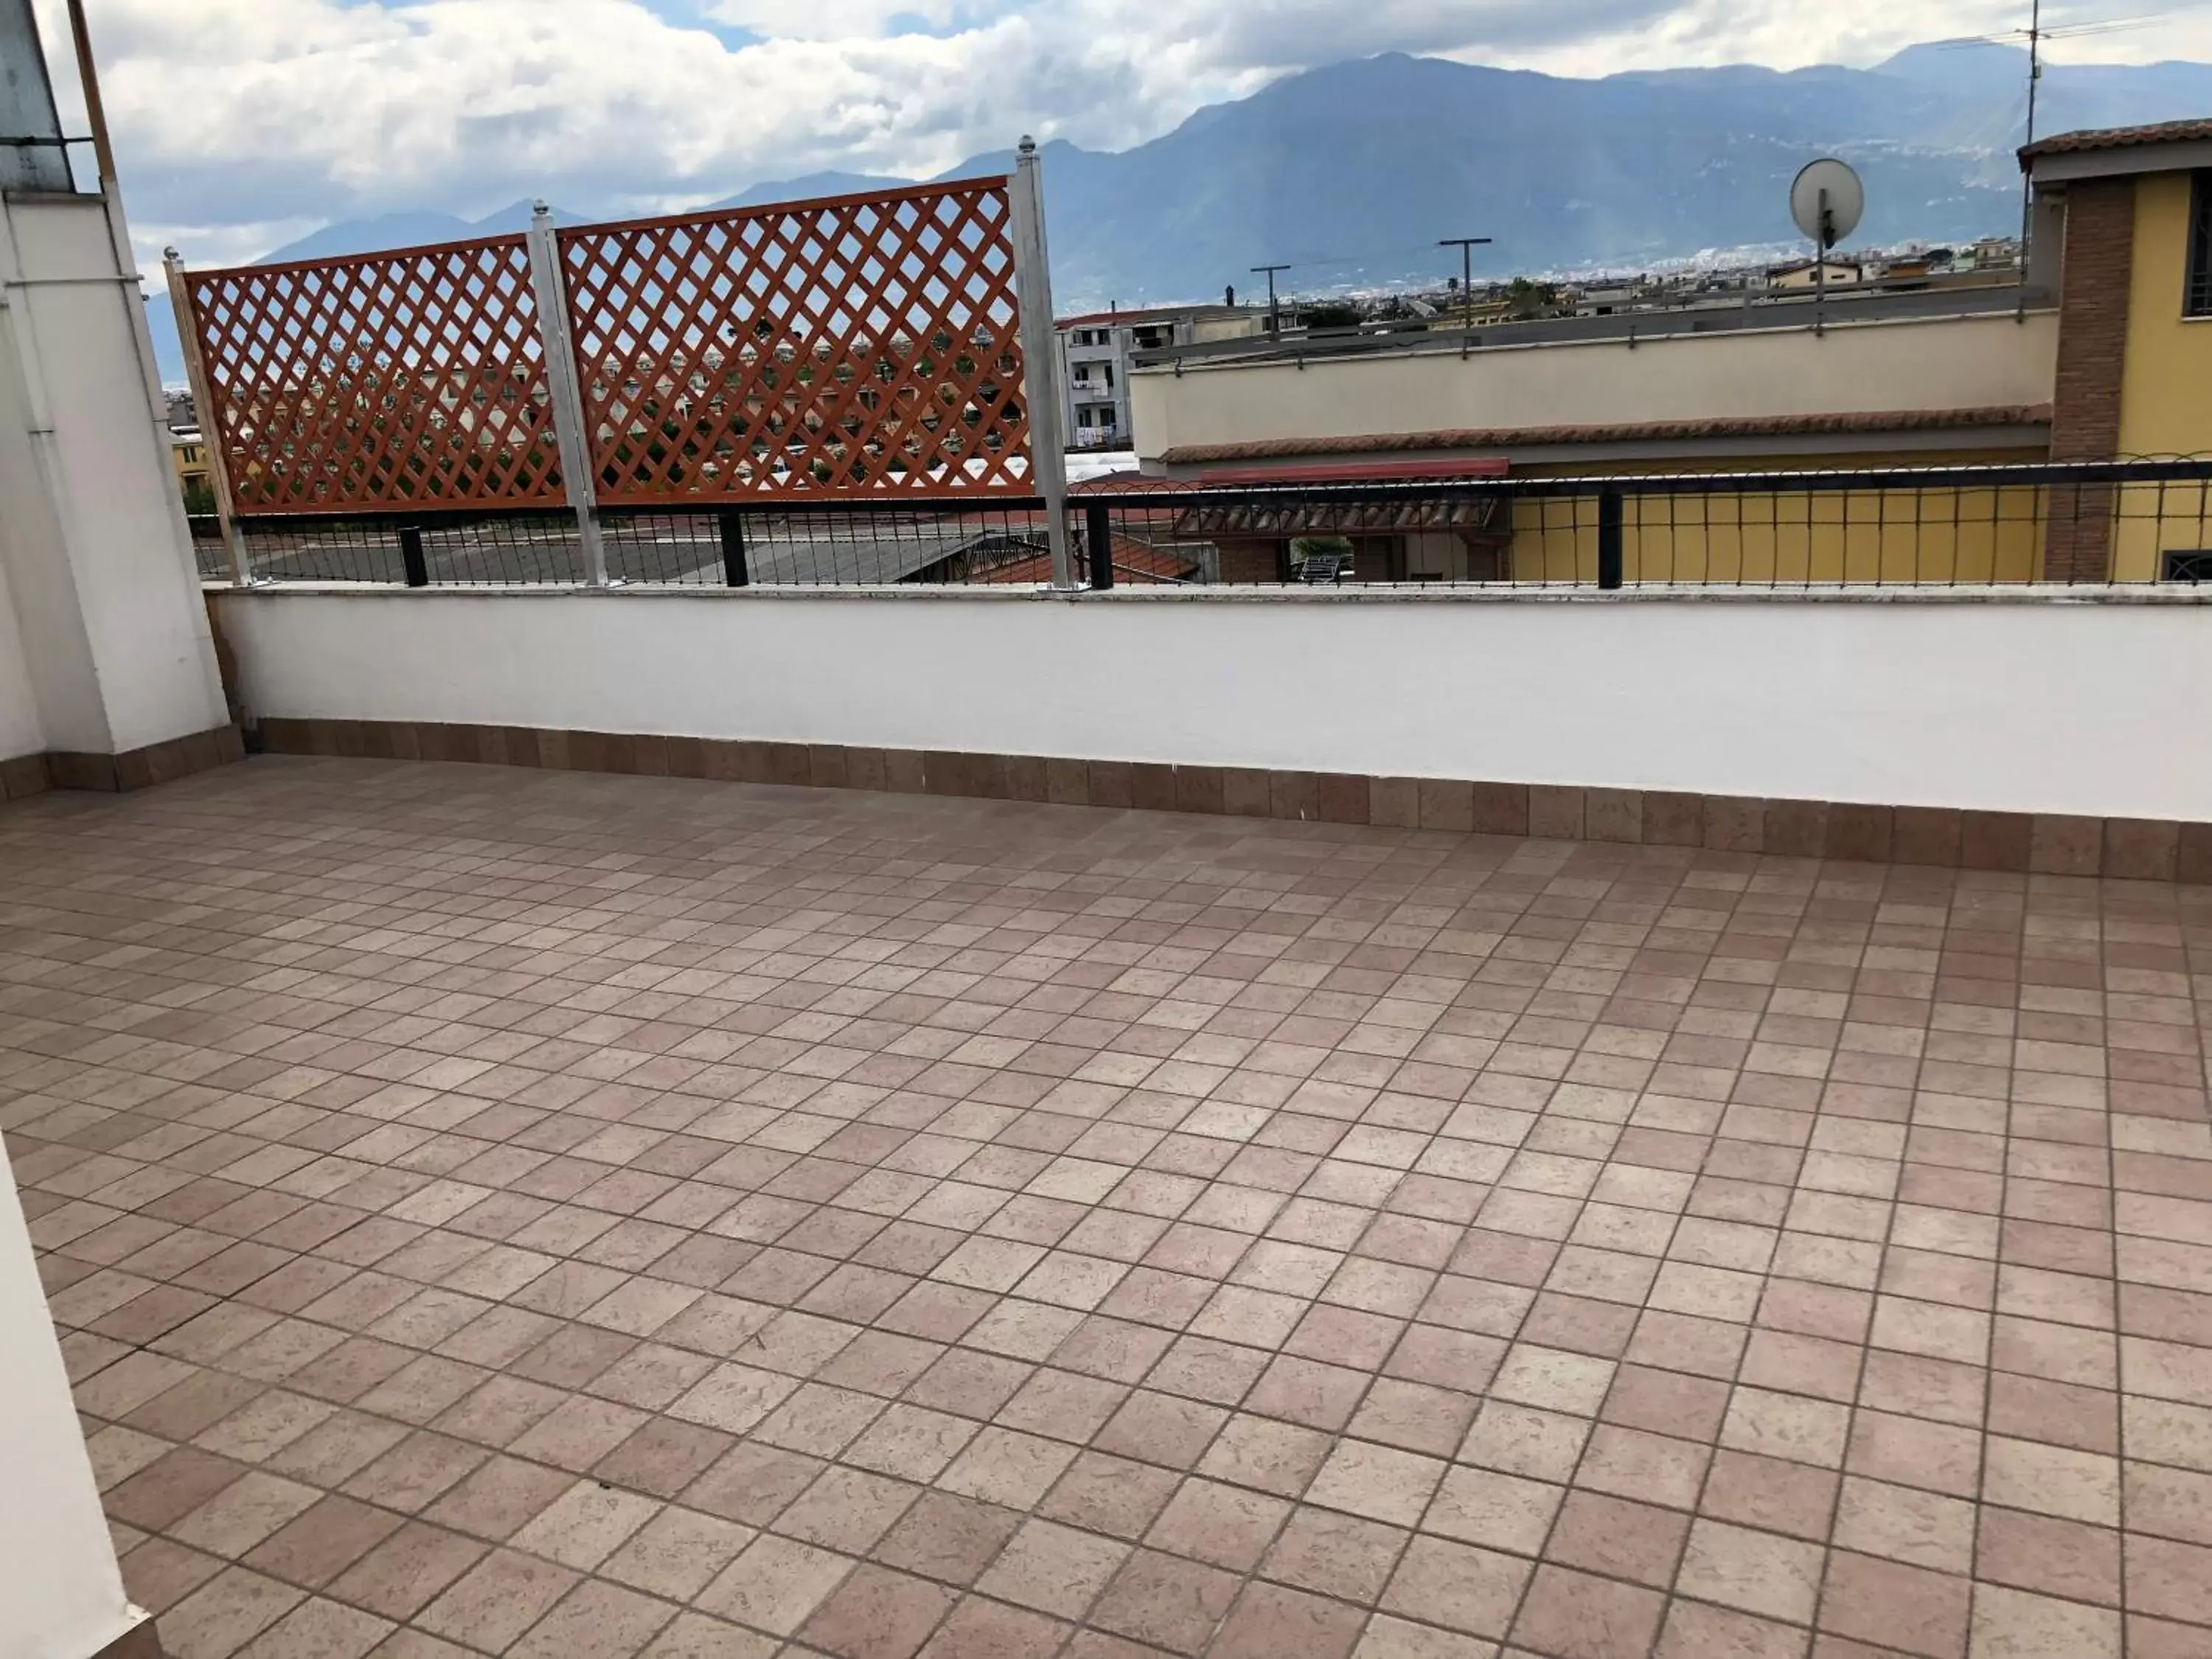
[393, 379]
[853, 346]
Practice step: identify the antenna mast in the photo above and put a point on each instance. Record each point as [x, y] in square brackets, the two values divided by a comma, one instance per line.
[2034, 60]
[2026, 185]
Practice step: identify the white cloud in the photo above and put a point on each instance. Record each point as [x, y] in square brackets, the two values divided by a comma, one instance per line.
[240, 123]
[843, 20]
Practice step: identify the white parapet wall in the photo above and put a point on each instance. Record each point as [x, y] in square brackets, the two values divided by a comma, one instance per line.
[1917, 363]
[61, 1592]
[2023, 703]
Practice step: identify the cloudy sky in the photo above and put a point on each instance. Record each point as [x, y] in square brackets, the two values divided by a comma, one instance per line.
[243, 123]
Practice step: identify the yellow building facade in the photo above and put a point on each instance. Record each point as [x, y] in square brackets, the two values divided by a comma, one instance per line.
[188, 458]
[2134, 375]
[2165, 386]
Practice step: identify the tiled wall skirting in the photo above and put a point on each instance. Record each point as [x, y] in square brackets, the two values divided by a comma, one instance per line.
[141, 1641]
[2048, 843]
[139, 769]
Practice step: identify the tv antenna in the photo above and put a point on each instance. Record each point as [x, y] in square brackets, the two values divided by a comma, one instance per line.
[2034, 36]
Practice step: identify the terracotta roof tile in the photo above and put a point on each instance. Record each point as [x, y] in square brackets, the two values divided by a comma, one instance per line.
[1124, 484]
[1134, 561]
[2157, 132]
[1527, 437]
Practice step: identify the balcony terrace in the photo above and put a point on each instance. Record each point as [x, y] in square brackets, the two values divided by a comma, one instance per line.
[1463, 1041]
[567, 1216]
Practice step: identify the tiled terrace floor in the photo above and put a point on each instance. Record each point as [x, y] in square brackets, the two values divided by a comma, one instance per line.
[563, 1216]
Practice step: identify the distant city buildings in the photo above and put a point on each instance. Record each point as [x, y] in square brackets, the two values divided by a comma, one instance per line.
[1812, 273]
[1095, 351]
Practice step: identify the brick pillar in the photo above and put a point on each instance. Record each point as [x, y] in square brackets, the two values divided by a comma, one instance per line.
[1378, 558]
[1489, 554]
[1253, 558]
[2097, 266]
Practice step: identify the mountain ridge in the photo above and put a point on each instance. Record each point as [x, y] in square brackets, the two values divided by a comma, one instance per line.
[1352, 171]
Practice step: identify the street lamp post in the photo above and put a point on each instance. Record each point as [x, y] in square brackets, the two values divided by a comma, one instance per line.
[1274, 317]
[1465, 244]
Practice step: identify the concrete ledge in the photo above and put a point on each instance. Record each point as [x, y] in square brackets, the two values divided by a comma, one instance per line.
[2044, 594]
[136, 769]
[2043, 842]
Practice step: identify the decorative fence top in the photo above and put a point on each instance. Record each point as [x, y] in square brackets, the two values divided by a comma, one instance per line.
[861, 345]
[413, 378]
[858, 344]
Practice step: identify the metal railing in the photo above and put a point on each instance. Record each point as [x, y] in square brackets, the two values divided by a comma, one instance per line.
[2073, 524]
[823, 546]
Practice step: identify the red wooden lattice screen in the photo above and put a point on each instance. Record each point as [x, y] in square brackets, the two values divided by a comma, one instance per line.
[854, 345]
[409, 379]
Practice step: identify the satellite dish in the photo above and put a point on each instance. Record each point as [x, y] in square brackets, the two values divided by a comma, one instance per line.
[1825, 199]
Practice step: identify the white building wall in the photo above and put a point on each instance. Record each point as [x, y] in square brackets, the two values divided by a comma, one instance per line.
[55, 661]
[2019, 702]
[98, 557]
[21, 732]
[1951, 363]
[61, 1592]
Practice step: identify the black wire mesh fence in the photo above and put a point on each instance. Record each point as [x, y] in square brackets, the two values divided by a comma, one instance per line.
[2080, 524]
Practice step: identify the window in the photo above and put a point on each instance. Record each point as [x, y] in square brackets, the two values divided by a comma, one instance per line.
[2197, 297]
[2191, 564]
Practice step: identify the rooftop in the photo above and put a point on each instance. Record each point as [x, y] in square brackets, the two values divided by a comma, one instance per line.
[1153, 313]
[1494, 438]
[2093, 138]
[563, 1214]
[1716, 313]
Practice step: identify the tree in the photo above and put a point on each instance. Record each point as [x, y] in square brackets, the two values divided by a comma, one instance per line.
[199, 498]
[1525, 299]
[1332, 313]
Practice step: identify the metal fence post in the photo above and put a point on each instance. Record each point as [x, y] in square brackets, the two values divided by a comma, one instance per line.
[411, 556]
[1039, 355]
[196, 375]
[735, 574]
[1608, 537]
[552, 291]
[1098, 543]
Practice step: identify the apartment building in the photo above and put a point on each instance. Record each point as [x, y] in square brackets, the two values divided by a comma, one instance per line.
[1096, 350]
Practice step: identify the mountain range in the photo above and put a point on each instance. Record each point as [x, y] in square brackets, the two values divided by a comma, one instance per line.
[1351, 173]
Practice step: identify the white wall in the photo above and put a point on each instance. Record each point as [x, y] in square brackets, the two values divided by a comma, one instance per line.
[53, 665]
[1948, 363]
[20, 732]
[93, 537]
[2019, 702]
[61, 1593]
